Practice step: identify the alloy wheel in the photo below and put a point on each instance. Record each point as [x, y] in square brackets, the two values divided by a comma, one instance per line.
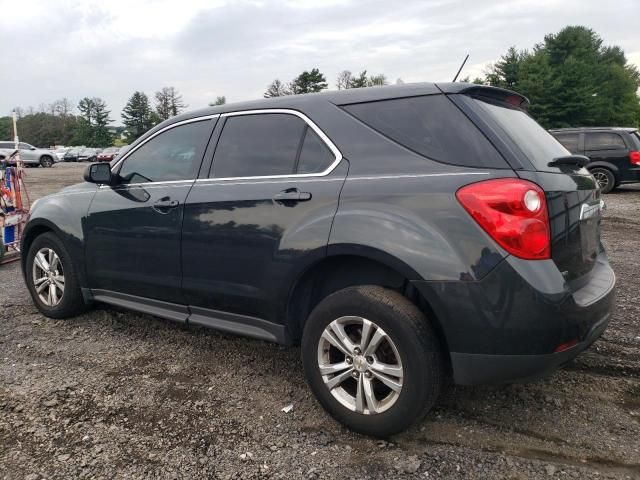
[602, 179]
[360, 365]
[48, 277]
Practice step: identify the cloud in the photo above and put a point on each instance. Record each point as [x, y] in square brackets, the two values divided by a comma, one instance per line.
[205, 48]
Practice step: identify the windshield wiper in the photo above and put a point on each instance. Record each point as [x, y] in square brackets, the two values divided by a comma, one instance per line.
[579, 160]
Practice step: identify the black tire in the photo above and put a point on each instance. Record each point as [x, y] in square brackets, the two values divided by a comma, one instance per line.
[415, 341]
[71, 302]
[46, 161]
[605, 178]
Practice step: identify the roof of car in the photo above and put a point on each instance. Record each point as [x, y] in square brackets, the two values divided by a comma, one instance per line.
[344, 97]
[592, 129]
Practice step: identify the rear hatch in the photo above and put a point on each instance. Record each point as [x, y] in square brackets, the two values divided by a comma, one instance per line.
[573, 198]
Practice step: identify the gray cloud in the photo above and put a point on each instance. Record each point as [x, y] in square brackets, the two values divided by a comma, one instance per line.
[71, 49]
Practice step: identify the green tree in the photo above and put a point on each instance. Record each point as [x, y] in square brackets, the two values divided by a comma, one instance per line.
[101, 135]
[309, 82]
[6, 128]
[91, 128]
[168, 103]
[137, 116]
[277, 89]
[571, 79]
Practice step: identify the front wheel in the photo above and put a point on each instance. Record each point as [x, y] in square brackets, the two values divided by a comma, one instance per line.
[51, 278]
[46, 161]
[372, 359]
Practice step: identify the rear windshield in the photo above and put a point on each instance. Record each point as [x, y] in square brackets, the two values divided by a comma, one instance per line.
[432, 126]
[635, 136]
[536, 143]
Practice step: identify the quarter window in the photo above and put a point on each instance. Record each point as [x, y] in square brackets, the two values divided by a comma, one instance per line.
[432, 126]
[258, 145]
[175, 154]
[603, 141]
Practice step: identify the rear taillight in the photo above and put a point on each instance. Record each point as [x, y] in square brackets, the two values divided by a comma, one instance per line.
[634, 157]
[513, 212]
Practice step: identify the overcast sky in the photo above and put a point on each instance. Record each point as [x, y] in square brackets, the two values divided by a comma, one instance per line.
[109, 48]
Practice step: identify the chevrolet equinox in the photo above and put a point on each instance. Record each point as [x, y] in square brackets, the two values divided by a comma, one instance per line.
[400, 235]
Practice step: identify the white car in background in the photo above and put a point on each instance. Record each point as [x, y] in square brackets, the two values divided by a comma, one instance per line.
[30, 155]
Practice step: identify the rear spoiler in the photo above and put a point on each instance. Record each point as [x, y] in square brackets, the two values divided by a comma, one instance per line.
[488, 93]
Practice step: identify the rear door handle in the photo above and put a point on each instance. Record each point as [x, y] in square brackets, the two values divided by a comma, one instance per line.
[292, 195]
[165, 204]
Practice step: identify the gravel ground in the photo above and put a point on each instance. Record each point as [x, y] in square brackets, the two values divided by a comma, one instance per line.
[119, 394]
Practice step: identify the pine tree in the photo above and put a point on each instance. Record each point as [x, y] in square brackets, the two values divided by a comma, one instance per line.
[309, 82]
[220, 100]
[101, 135]
[137, 116]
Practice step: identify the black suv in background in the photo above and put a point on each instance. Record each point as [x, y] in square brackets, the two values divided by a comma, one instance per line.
[400, 234]
[614, 153]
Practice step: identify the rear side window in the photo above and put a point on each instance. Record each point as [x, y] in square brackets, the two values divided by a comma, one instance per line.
[258, 145]
[603, 141]
[431, 126]
[568, 141]
[175, 154]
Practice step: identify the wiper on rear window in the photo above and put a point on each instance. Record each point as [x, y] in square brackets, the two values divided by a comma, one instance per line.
[579, 160]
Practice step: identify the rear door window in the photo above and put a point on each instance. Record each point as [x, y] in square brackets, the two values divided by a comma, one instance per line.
[315, 156]
[258, 145]
[568, 141]
[603, 141]
[431, 126]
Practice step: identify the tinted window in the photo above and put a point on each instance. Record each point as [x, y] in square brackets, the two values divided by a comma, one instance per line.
[173, 155]
[431, 126]
[315, 156]
[24, 146]
[603, 141]
[258, 145]
[568, 141]
[7, 145]
[536, 143]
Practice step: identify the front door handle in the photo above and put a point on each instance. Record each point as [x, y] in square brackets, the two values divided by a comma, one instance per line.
[165, 204]
[292, 195]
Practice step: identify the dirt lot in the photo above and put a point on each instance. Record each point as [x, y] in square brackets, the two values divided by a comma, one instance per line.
[114, 394]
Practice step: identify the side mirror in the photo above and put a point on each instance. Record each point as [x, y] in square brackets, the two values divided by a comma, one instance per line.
[32, 148]
[98, 173]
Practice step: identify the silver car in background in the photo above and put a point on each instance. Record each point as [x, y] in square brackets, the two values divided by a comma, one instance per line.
[30, 155]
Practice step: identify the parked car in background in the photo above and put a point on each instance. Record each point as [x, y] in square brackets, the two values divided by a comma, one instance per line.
[30, 155]
[60, 152]
[108, 154]
[121, 151]
[88, 154]
[400, 234]
[614, 153]
[72, 154]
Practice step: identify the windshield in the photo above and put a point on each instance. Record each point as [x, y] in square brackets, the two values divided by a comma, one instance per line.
[536, 143]
[110, 150]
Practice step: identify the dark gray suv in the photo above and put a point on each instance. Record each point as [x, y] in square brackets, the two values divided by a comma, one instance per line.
[400, 234]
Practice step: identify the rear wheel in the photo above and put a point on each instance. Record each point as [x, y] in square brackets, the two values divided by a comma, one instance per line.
[372, 359]
[46, 161]
[605, 178]
[51, 278]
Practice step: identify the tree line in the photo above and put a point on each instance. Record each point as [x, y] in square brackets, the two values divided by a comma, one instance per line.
[571, 79]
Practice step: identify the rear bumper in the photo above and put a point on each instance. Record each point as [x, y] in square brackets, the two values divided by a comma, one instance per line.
[507, 326]
[475, 369]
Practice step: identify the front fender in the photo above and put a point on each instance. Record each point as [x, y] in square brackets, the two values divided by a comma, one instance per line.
[62, 213]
